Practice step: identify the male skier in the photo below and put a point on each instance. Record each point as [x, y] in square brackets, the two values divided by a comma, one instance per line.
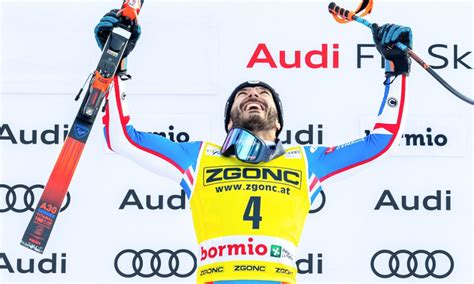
[250, 196]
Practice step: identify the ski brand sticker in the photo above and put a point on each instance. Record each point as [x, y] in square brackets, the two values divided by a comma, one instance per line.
[80, 130]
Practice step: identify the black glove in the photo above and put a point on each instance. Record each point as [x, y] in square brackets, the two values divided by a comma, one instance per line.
[385, 38]
[105, 26]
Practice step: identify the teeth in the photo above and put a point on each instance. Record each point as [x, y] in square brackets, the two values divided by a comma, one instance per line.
[253, 105]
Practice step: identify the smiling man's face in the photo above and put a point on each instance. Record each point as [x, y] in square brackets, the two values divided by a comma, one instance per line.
[254, 109]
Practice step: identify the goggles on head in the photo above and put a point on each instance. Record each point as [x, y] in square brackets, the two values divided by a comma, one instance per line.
[249, 148]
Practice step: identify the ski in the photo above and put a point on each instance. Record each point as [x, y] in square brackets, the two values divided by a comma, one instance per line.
[44, 217]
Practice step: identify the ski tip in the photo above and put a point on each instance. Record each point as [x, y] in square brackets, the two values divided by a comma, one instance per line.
[33, 247]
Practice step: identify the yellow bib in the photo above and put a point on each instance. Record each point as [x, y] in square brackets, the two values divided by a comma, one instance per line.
[248, 218]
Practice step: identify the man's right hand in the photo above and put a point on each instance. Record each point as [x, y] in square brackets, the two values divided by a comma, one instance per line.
[105, 26]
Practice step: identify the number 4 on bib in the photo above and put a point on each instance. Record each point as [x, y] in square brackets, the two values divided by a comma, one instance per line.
[252, 212]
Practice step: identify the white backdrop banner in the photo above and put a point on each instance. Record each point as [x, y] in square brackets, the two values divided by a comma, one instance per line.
[407, 219]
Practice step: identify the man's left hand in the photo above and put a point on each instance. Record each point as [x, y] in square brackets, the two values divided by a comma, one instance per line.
[385, 38]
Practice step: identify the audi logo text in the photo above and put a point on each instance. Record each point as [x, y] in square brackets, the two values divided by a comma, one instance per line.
[419, 264]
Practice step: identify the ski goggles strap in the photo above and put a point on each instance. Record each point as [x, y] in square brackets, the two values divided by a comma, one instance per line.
[249, 148]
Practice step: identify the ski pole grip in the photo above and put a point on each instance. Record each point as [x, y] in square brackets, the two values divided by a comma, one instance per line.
[340, 12]
[402, 47]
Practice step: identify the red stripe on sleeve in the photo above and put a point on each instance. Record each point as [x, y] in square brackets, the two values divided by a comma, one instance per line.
[396, 128]
[125, 119]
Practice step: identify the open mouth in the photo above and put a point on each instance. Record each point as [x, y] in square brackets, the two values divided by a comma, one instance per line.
[253, 106]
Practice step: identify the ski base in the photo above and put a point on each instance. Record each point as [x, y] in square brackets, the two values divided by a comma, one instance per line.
[41, 224]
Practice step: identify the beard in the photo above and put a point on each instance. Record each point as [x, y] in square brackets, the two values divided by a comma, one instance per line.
[254, 122]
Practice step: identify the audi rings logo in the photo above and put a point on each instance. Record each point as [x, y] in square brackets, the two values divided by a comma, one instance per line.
[419, 264]
[163, 263]
[11, 198]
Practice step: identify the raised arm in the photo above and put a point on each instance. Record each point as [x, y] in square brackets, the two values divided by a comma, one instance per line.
[326, 162]
[152, 151]
[176, 161]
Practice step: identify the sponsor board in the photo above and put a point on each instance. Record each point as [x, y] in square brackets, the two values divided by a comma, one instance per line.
[428, 136]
